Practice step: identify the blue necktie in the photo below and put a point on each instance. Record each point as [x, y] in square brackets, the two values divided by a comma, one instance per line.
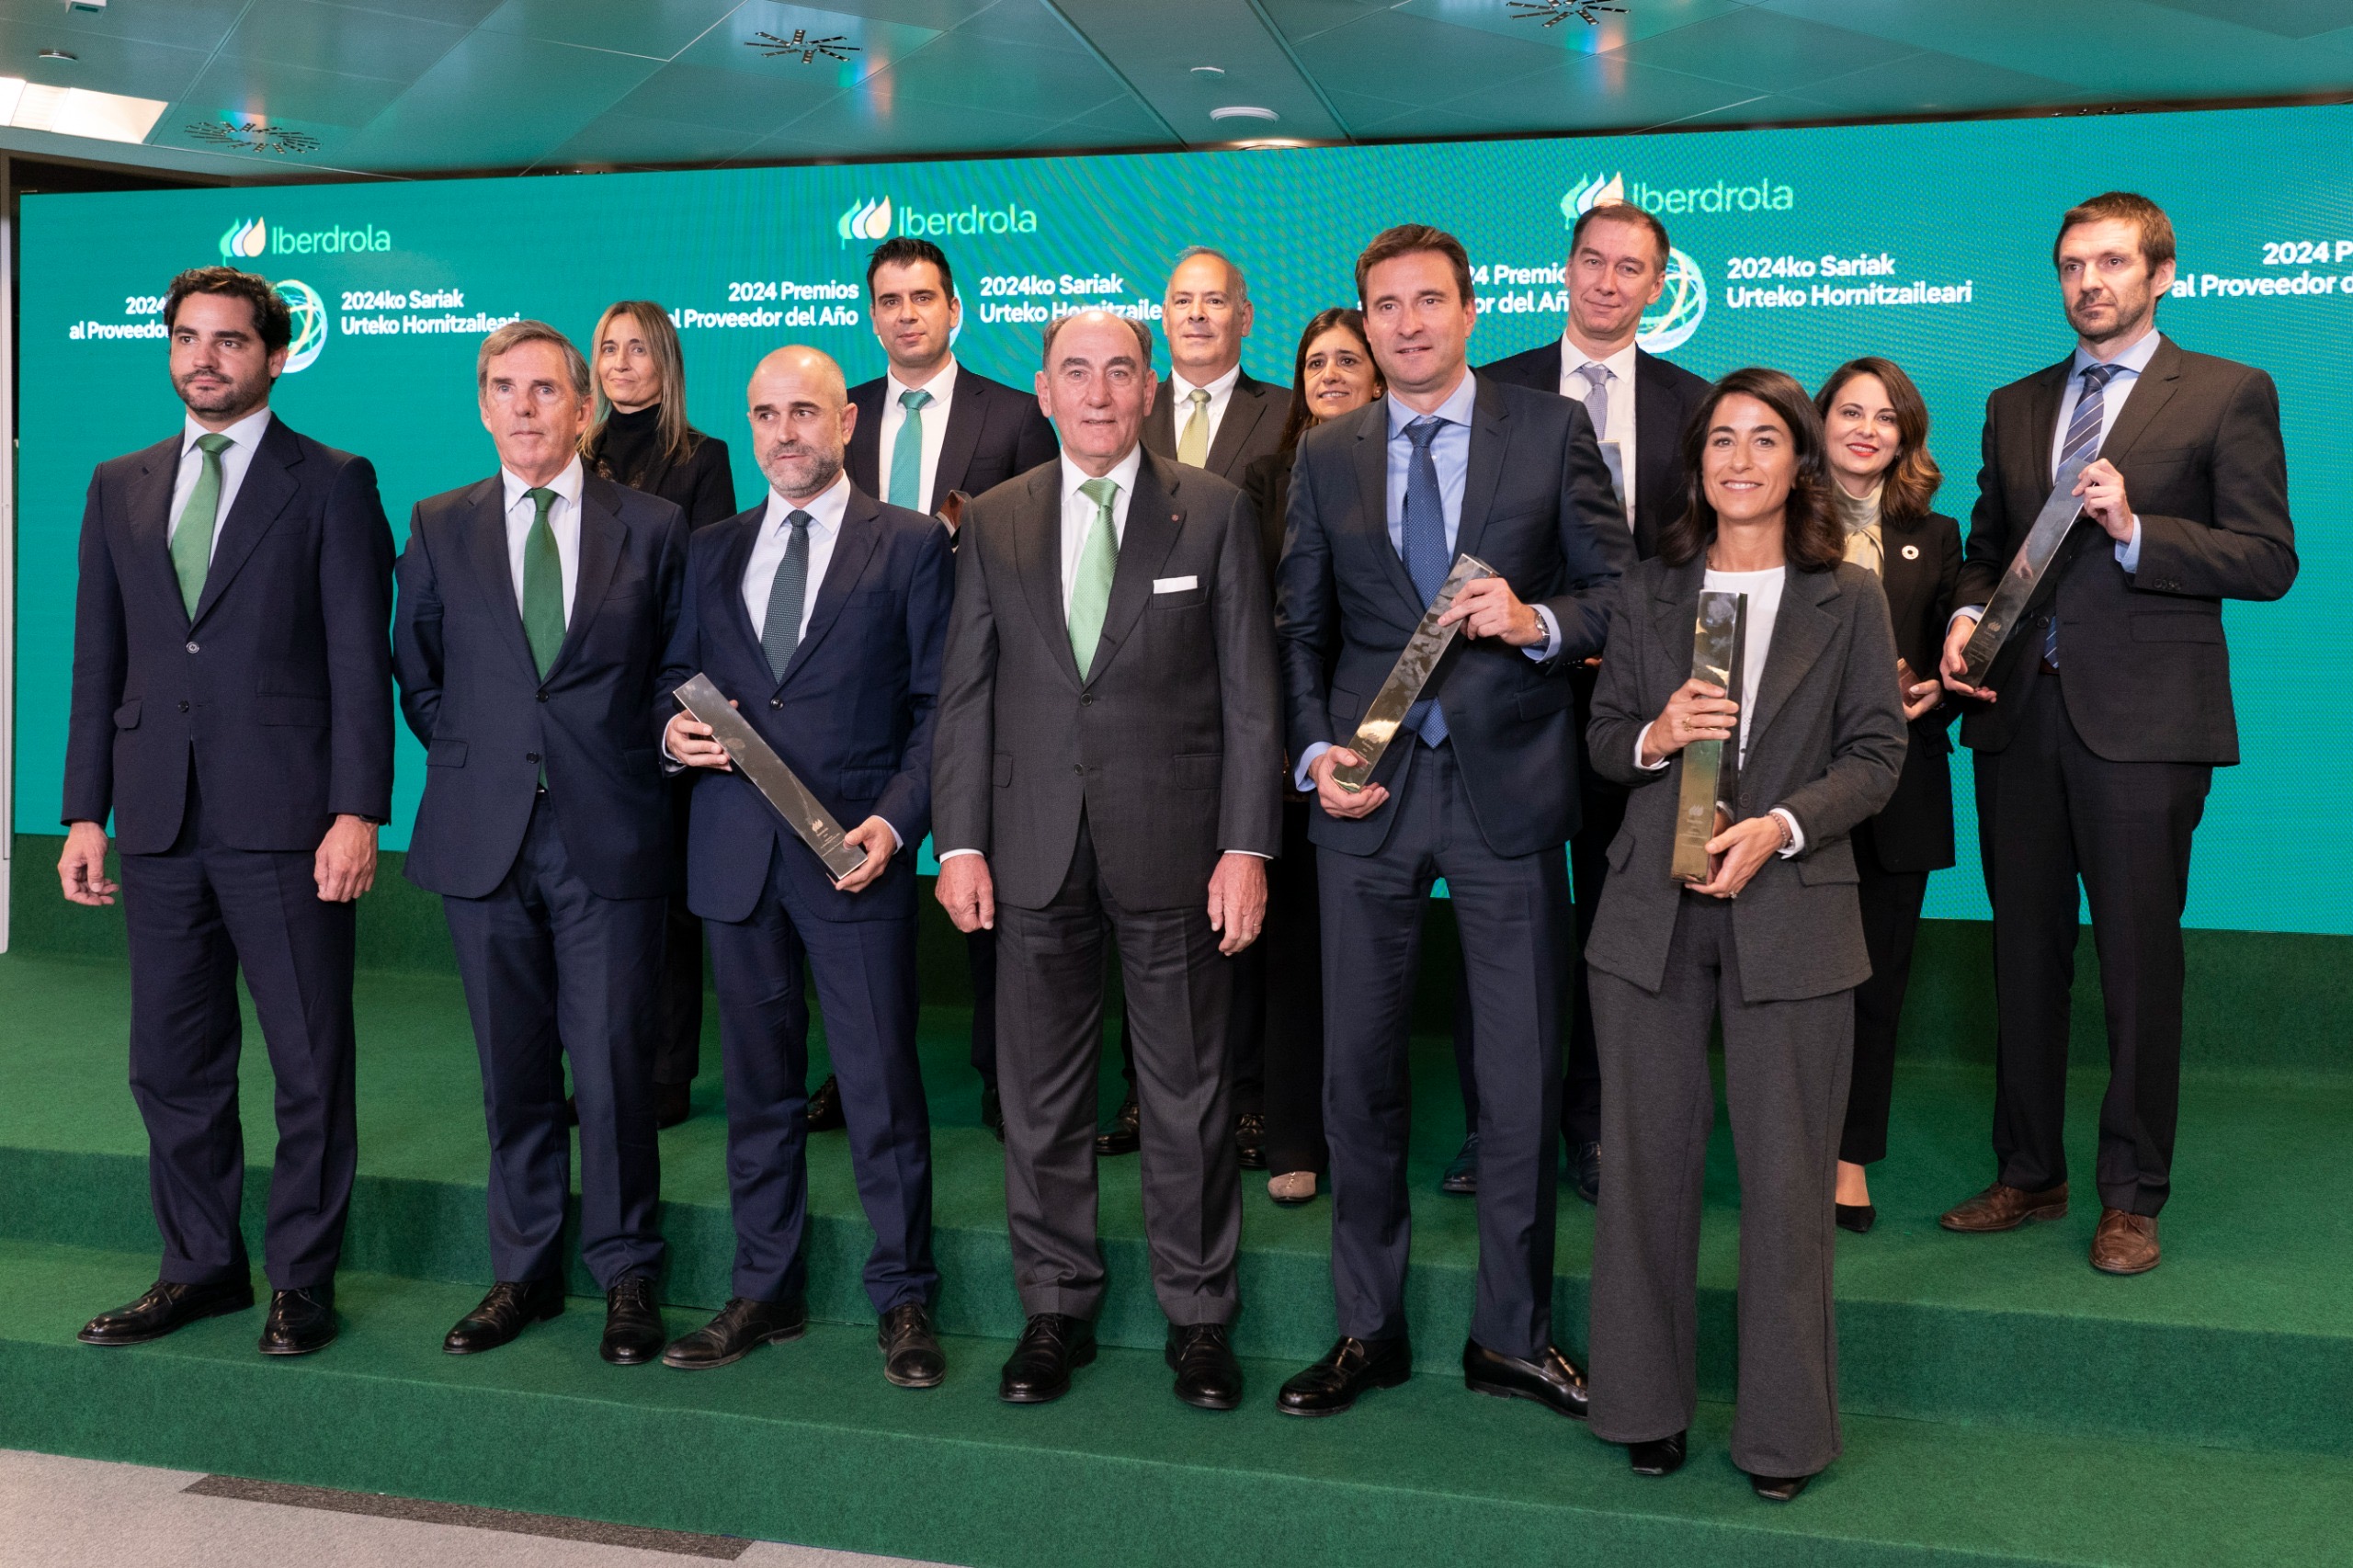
[2083, 435]
[1427, 555]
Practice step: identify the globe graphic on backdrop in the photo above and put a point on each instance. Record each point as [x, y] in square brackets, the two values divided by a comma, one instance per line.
[309, 313]
[1682, 303]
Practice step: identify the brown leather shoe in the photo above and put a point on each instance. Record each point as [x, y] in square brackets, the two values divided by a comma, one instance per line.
[2000, 1208]
[2124, 1244]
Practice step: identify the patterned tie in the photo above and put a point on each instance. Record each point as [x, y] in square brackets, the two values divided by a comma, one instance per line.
[2083, 435]
[1090, 591]
[1596, 397]
[542, 585]
[787, 591]
[192, 540]
[1193, 446]
[1427, 555]
[906, 453]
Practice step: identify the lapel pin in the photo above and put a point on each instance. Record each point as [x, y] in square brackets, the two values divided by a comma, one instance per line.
[1911, 553]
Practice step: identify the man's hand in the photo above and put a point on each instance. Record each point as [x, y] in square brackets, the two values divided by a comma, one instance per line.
[82, 869]
[1337, 802]
[2105, 502]
[1237, 900]
[965, 891]
[1697, 711]
[1487, 608]
[874, 836]
[1745, 846]
[687, 740]
[344, 866]
[1956, 660]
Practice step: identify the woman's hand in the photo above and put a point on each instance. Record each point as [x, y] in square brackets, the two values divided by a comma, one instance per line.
[1916, 695]
[1745, 846]
[1697, 711]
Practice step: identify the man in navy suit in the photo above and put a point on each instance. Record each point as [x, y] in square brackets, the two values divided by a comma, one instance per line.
[535, 608]
[232, 711]
[821, 612]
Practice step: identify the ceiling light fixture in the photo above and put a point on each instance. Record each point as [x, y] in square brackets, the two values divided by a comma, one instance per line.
[1208, 70]
[771, 47]
[76, 111]
[252, 136]
[59, 54]
[1243, 111]
[1553, 13]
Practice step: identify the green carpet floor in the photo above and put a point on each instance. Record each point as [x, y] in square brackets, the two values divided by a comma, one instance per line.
[2005, 1403]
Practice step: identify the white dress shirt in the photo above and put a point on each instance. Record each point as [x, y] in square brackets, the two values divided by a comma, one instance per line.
[942, 388]
[1764, 591]
[768, 550]
[564, 519]
[1621, 369]
[1220, 392]
[235, 458]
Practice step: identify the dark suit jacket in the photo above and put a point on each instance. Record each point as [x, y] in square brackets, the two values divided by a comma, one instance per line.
[993, 432]
[472, 695]
[279, 685]
[1914, 830]
[1171, 744]
[703, 486]
[2148, 674]
[852, 717]
[1252, 428]
[1666, 397]
[1268, 483]
[1537, 506]
[1826, 744]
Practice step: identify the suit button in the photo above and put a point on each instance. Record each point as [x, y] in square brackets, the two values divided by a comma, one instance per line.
[191, 648]
[1078, 767]
[543, 697]
[530, 757]
[183, 706]
[1087, 700]
[776, 701]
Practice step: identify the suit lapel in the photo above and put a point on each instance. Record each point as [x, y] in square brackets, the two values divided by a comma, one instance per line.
[1675, 611]
[852, 548]
[729, 585]
[2044, 422]
[1658, 441]
[1373, 488]
[2152, 389]
[1160, 425]
[968, 411]
[1038, 563]
[1490, 437]
[494, 572]
[150, 504]
[267, 488]
[1155, 519]
[1802, 630]
[602, 535]
[1244, 409]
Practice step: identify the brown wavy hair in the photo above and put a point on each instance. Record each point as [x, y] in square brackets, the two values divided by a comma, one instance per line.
[1813, 539]
[1349, 320]
[1913, 478]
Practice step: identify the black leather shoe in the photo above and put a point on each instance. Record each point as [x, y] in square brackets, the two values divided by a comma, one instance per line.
[1585, 1171]
[299, 1321]
[1855, 1217]
[1462, 1178]
[1051, 1348]
[742, 1327]
[1124, 1134]
[633, 1334]
[992, 1111]
[1349, 1368]
[164, 1307]
[1250, 1140]
[1664, 1457]
[1779, 1488]
[1552, 1380]
[1208, 1377]
[672, 1103]
[825, 1107]
[911, 1356]
[510, 1307]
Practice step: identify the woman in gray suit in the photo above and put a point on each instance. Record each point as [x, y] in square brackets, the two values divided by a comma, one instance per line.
[1770, 943]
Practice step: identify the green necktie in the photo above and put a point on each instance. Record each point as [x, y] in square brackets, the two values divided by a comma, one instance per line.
[906, 454]
[542, 585]
[192, 539]
[1193, 443]
[1090, 591]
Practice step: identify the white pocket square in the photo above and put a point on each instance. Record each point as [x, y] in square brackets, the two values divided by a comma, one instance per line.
[1175, 585]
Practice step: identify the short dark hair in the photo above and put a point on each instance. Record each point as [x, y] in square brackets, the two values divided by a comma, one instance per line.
[1622, 212]
[273, 323]
[1813, 538]
[2156, 229]
[1409, 239]
[1913, 478]
[905, 251]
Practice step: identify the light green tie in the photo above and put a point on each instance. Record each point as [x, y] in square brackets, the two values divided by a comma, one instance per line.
[1090, 591]
[192, 539]
[542, 585]
[1193, 445]
[906, 454]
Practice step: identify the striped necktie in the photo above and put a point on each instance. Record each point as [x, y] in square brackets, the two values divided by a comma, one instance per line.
[2082, 435]
[1428, 557]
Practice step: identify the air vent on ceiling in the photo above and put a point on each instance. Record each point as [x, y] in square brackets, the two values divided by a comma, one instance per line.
[771, 47]
[1553, 13]
[252, 136]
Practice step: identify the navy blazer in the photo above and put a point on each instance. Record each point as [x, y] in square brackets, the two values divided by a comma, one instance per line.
[993, 432]
[1538, 506]
[278, 685]
[852, 717]
[473, 696]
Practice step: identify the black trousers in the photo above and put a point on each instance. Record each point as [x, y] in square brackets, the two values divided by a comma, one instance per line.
[1290, 1018]
[198, 913]
[679, 1055]
[1890, 902]
[980, 953]
[2050, 812]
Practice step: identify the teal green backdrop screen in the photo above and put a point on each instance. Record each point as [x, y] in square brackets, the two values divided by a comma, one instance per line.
[1801, 249]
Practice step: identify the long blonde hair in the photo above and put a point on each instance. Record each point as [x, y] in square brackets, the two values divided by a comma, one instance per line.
[669, 363]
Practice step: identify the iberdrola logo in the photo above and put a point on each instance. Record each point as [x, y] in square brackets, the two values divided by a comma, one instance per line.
[247, 237]
[1682, 303]
[865, 220]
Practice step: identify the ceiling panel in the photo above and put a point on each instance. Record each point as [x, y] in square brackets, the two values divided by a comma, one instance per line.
[319, 36]
[1931, 83]
[656, 29]
[1759, 50]
[497, 100]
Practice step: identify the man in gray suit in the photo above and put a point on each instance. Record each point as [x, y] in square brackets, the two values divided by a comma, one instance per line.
[1108, 753]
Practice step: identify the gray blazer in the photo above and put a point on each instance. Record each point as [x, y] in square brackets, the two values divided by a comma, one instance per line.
[1826, 744]
[1172, 746]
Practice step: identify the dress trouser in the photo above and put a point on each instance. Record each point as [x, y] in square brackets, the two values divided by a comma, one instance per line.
[979, 954]
[1890, 902]
[1049, 1033]
[2049, 811]
[1785, 1086]
[197, 913]
[865, 971]
[1514, 917]
[679, 1056]
[1292, 1022]
[552, 972]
